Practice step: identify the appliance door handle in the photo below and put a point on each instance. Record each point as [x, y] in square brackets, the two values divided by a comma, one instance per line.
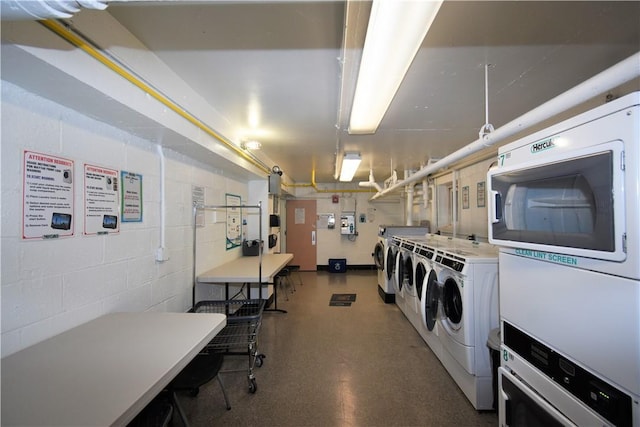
[313, 238]
[495, 205]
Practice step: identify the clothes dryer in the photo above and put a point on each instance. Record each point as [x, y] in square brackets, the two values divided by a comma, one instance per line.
[468, 274]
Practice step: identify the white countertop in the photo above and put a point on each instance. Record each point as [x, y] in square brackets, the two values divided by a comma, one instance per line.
[102, 372]
[245, 269]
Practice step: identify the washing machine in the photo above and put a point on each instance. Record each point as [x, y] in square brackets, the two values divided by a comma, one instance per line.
[428, 296]
[379, 261]
[468, 274]
[386, 275]
[404, 272]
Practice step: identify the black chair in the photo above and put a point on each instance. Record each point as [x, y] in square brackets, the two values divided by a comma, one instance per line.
[283, 278]
[158, 413]
[296, 269]
[202, 369]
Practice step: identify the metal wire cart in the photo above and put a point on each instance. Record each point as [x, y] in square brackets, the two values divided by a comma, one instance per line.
[240, 335]
[244, 316]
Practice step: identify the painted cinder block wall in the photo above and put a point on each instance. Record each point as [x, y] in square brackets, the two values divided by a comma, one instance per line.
[49, 286]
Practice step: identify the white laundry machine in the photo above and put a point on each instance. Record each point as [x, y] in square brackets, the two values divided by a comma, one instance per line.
[378, 259]
[468, 274]
[386, 275]
[565, 208]
[404, 273]
[428, 296]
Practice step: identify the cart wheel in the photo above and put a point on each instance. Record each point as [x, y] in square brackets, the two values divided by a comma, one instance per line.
[260, 360]
[253, 385]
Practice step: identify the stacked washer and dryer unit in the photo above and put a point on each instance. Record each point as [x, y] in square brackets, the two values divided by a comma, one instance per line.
[565, 210]
[385, 257]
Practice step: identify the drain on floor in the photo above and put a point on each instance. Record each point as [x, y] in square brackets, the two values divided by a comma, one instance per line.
[342, 300]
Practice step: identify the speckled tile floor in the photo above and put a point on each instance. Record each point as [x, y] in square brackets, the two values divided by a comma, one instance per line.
[362, 365]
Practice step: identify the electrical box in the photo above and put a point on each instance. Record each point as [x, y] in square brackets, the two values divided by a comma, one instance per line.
[348, 223]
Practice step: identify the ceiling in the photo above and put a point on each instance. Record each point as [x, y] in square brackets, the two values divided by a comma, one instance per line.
[283, 72]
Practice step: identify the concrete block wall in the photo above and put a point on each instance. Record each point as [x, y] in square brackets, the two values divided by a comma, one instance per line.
[49, 286]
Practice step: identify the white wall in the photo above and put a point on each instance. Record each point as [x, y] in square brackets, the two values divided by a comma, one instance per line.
[49, 286]
[472, 220]
[357, 251]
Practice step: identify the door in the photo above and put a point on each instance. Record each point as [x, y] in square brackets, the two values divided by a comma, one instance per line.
[301, 233]
[572, 204]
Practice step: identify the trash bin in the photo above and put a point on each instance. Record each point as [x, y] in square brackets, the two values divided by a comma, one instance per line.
[493, 342]
[337, 265]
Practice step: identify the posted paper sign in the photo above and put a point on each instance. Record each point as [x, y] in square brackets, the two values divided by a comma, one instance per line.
[131, 197]
[47, 209]
[101, 202]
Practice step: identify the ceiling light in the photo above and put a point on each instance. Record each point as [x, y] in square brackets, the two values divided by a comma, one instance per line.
[394, 35]
[251, 145]
[350, 164]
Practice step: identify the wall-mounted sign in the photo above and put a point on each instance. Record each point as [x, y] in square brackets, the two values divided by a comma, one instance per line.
[47, 208]
[465, 197]
[101, 201]
[131, 196]
[481, 196]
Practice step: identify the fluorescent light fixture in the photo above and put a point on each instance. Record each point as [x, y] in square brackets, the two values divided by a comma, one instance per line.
[251, 145]
[350, 163]
[394, 35]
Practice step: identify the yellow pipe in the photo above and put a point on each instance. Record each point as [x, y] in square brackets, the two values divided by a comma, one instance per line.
[77, 41]
[72, 38]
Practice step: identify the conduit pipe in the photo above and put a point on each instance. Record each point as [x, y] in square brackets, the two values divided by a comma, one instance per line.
[22, 10]
[161, 256]
[616, 75]
[72, 37]
[371, 183]
[409, 205]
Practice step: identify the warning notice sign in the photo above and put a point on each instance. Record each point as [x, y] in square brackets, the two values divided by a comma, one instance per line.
[101, 201]
[47, 196]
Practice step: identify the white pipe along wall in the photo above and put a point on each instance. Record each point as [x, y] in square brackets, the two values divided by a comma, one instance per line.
[616, 75]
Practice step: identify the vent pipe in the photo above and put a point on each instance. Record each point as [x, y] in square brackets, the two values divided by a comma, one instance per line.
[616, 75]
[21, 10]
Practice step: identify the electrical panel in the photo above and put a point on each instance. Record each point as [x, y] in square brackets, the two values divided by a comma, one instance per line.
[348, 223]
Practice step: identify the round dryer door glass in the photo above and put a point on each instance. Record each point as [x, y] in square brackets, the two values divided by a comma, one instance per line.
[452, 301]
[431, 301]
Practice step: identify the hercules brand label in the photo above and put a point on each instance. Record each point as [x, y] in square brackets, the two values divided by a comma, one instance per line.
[542, 146]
